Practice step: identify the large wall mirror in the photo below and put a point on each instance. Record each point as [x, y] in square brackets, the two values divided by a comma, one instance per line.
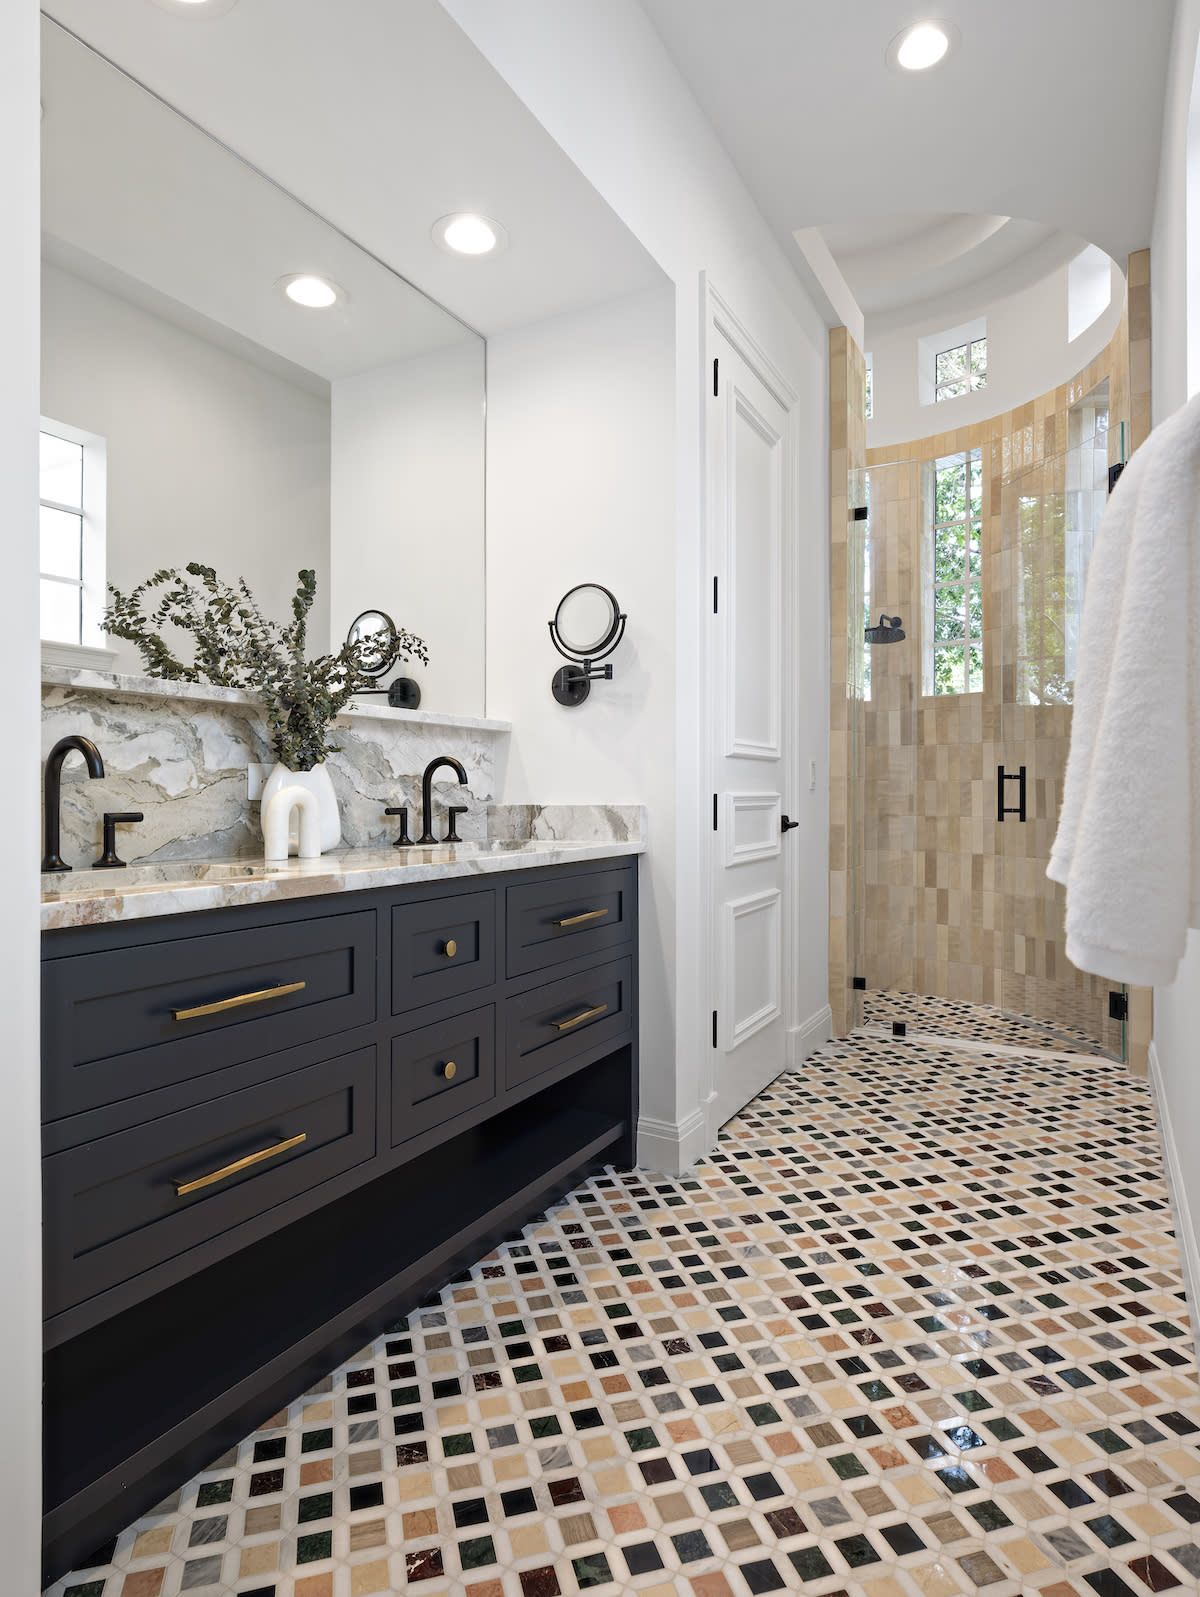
[192, 410]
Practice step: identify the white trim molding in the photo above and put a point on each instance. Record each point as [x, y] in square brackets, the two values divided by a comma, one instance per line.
[808, 1036]
[769, 903]
[668, 1147]
[1185, 1230]
[77, 657]
[766, 846]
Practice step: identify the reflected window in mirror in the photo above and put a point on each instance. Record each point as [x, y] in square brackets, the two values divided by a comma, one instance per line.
[72, 472]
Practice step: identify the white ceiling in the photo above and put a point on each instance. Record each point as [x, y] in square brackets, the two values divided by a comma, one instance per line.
[897, 267]
[1048, 109]
[382, 116]
[141, 202]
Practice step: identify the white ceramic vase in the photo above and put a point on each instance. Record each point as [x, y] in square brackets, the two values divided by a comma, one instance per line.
[318, 784]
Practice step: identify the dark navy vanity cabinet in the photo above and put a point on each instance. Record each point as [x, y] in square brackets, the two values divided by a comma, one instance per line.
[270, 1131]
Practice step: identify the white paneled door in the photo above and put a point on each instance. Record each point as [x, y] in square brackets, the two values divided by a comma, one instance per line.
[749, 500]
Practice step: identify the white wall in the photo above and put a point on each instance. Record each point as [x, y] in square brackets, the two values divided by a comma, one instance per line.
[625, 117]
[1028, 353]
[210, 457]
[1175, 303]
[581, 489]
[20, 1175]
[407, 513]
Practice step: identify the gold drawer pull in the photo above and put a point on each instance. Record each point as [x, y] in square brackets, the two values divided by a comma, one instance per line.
[577, 1020]
[223, 1004]
[182, 1188]
[450, 948]
[578, 920]
[449, 1069]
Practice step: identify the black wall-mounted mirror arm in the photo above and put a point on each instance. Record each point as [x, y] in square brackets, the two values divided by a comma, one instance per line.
[572, 683]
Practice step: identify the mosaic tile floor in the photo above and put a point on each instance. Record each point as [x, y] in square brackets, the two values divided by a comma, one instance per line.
[948, 1017]
[915, 1328]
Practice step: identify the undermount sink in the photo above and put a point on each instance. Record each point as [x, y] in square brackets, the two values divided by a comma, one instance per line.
[154, 873]
[184, 873]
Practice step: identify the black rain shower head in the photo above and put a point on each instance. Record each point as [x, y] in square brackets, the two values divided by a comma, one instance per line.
[888, 631]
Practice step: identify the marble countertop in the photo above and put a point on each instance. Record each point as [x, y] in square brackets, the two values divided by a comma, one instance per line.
[179, 887]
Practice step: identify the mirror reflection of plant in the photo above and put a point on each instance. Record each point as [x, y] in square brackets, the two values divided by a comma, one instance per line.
[237, 646]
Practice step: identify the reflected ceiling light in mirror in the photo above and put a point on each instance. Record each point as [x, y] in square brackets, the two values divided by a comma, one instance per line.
[466, 233]
[312, 292]
[196, 9]
[922, 46]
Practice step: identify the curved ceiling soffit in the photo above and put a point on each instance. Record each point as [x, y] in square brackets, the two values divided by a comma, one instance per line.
[951, 263]
[868, 260]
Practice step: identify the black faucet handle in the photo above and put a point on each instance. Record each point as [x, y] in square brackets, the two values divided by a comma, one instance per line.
[403, 841]
[454, 811]
[112, 819]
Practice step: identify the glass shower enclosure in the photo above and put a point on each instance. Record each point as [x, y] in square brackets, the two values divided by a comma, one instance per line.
[960, 732]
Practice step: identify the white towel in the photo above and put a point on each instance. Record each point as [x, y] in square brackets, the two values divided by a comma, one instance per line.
[1128, 843]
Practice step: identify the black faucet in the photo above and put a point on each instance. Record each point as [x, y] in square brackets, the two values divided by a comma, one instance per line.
[427, 795]
[51, 859]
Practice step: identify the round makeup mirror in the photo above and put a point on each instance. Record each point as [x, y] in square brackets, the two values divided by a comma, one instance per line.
[378, 631]
[587, 621]
[587, 625]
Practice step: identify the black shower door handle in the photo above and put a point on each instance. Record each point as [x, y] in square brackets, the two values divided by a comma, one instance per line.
[1003, 776]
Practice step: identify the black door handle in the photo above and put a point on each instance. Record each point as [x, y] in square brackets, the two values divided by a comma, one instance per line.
[1003, 776]
[786, 825]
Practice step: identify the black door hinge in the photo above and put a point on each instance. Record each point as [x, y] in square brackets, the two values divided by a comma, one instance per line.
[1114, 474]
[714, 812]
[714, 1028]
[859, 983]
[716, 389]
[1118, 1006]
[715, 594]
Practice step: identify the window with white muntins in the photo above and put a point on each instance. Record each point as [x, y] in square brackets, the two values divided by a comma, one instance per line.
[959, 370]
[952, 575]
[72, 490]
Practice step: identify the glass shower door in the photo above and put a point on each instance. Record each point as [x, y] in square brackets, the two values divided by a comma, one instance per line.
[1049, 517]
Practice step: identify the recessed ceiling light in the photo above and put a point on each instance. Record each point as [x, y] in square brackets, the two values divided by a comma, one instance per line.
[922, 46]
[314, 293]
[197, 9]
[466, 233]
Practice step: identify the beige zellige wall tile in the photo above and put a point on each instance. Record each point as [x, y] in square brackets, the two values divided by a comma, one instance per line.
[932, 894]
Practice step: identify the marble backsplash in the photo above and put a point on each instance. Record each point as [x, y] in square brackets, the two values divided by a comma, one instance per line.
[575, 823]
[179, 752]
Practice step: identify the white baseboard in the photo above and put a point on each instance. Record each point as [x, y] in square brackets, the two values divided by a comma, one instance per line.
[805, 1038]
[670, 1147]
[1185, 1229]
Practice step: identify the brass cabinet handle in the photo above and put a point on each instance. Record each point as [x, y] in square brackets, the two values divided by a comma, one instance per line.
[578, 920]
[449, 1069]
[236, 1003]
[577, 1020]
[182, 1188]
[450, 948]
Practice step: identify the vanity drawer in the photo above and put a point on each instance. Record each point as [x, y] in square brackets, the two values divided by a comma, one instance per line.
[422, 1094]
[569, 918]
[550, 1025]
[442, 947]
[120, 1205]
[122, 1023]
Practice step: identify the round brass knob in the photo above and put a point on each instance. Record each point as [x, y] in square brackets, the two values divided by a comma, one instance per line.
[448, 1070]
[450, 948]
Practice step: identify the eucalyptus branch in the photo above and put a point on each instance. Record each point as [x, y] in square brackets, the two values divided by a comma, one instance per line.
[237, 646]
